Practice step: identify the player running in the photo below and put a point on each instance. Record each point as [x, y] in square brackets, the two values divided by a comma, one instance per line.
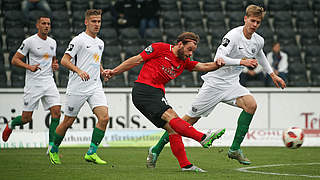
[40, 53]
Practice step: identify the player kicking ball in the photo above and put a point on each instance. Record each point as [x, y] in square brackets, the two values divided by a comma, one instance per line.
[162, 63]
[240, 47]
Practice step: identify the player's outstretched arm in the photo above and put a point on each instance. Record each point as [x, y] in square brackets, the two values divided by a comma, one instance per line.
[65, 61]
[124, 66]
[17, 61]
[209, 66]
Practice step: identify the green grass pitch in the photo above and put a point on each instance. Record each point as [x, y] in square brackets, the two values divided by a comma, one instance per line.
[129, 163]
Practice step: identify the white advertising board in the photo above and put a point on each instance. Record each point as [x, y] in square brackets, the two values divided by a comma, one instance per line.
[276, 111]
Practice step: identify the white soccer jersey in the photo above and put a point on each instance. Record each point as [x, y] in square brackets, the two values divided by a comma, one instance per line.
[39, 51]
[233, 48]
[86, 53]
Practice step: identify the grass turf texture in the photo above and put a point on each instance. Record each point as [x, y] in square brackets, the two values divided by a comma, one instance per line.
[129, 163]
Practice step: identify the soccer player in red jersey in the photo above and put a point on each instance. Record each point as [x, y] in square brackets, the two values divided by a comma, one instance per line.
[162, 63]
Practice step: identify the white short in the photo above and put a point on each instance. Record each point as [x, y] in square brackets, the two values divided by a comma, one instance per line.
[209, 96]
[75, 102]
[48, 94]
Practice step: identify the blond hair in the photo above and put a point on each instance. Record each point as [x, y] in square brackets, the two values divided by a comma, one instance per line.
[93, 12]
[255, 11]
[186, 37]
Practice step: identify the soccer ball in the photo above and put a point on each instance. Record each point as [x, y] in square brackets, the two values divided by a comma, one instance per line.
[293, 137]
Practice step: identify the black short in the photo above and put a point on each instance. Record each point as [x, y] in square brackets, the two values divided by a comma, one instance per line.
[151, 102]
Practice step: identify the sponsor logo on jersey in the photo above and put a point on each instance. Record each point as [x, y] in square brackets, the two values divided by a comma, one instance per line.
[46, 56]
[149, 49]
[170, 71]
[225, 42]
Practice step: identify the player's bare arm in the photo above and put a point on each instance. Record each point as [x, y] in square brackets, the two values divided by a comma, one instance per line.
[17, 61]
[65, 61]
[55, 64]
[104, 74]
[209, 66]
[249, 62]
[277, 81]
[125, 66]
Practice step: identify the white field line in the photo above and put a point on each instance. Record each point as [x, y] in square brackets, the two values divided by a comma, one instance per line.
[247, 170]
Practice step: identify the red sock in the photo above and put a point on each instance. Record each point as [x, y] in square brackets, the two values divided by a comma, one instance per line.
[177, 148]
[185, 129]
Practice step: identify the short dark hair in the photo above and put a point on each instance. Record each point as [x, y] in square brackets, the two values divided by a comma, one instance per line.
[186, 37]
[93, 12]
[42, 15]
[275, 43]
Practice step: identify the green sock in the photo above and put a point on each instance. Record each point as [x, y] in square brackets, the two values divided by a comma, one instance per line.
[244, 121]
[97, 136]
[92, 149]
[57, 139]
[52, 128]
[161, 143]
[15, 122]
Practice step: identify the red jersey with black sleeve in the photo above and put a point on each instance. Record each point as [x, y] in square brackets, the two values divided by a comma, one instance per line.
[161, 65]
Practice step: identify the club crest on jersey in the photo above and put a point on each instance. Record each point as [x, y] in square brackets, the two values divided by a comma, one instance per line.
[70, 108]
[253, 50]
[25, 103]
[100, 47]
[194, 109]
[149, 49]
[225, 42]
[51, 48]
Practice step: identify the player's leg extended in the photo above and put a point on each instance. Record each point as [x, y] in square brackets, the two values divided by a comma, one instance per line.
[55, 112]
[185, 129]
[178, 150]
[249, 106]
[58, 137]
[182, 127]
[98, 133]
[155, 151]
[17, 121]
